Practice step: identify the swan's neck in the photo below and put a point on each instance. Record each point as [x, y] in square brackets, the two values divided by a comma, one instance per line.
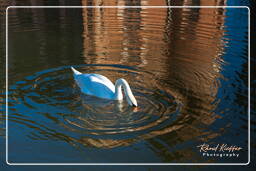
[118, 88]
[127, 91]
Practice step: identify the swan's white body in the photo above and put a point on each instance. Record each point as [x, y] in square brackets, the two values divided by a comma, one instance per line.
[100, 86]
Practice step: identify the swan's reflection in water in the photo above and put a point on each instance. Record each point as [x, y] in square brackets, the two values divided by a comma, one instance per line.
[100, 114]
[109, 117]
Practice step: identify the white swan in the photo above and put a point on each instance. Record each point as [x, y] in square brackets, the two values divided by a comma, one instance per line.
[100, 86]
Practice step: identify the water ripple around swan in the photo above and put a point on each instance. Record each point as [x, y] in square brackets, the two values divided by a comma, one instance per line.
[53, 95]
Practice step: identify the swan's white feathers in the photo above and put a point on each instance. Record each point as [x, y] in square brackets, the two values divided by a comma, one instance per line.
[92, 84]
[102, 79]
[75, 71]
[100, 86]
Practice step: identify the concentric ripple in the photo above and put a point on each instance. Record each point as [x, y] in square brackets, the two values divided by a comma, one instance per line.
[54, 95]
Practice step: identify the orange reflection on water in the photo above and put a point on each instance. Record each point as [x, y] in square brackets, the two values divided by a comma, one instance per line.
[176, 44]
[180, 46]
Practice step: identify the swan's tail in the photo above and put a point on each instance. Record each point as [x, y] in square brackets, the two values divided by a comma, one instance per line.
[75, 71]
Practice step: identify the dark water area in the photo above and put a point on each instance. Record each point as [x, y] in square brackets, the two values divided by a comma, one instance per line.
[187, 67]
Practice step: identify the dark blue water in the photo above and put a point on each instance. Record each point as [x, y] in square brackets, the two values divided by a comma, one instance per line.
[188, 69]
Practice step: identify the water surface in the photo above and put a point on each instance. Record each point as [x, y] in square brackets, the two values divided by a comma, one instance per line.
[186, 67]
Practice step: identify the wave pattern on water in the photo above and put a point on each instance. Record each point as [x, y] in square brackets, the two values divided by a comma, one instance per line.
[54, 90]
[189, 75]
